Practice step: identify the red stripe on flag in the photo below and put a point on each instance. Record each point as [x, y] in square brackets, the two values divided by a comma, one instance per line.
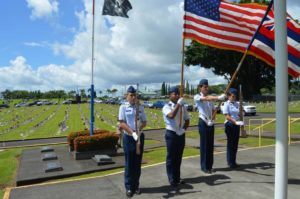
[217, 26]
[257, 52]
[213, 43]
[292, 27]
[212, 33]
[245, 12]
[240, 23]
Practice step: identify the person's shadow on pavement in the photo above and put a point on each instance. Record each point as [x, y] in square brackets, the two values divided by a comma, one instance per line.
[212, 180]
[250, 168]
[169, 191]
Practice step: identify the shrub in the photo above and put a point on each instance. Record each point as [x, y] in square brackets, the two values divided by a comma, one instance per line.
[73, 135]
[104, 140]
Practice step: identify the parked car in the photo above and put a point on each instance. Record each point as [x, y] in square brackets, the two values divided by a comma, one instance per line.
[21, 104]
[148, 104]
[43, 102]
[4, 106]
[158, 104]
[32, 103]
[67, 102]
[247, 109]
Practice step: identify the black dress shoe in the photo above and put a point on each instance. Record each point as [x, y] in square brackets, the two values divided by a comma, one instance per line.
[129, 193]
[181, 182]
[206, 171]
[138, 191]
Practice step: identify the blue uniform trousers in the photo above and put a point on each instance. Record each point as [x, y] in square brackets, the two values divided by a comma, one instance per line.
[206, 145]
[175, 146]
[233, 134]
[132, 162]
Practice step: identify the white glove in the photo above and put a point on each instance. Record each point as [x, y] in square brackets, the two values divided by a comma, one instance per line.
[135, 136]
[239, 123]
[210, 122]
[221, 97]
[180, 101]
[182, 131]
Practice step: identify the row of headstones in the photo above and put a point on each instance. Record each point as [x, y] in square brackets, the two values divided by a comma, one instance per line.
[63, 125]
[48, 155]
[84, 119]
[48, 118]
[24, 135]
[9, 129]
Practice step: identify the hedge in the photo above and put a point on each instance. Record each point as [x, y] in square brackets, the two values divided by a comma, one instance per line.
[73, 135]
[104, 140]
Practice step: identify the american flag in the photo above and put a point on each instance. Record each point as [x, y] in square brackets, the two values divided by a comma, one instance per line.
[230, 26]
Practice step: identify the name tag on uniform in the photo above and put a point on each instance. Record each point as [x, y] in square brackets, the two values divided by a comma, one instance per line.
[129, 111]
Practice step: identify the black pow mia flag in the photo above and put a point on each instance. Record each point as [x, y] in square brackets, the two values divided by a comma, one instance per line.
[116, 8]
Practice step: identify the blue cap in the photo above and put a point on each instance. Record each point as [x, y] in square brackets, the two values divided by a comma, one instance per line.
[233, 91]
[203, 82]
[174, 89]
[131, 89]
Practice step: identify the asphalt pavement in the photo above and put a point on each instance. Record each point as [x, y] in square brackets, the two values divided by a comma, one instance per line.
[254, 179]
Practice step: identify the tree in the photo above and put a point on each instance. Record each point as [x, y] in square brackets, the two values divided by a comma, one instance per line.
[163, 89]
[108, 91]
[71, 94]
[82, 93]
[253, 75]
[187, 88]
[114, 91]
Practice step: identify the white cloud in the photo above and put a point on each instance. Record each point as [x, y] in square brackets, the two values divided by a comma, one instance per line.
[42, 8]
[20, 75]
[34, 44]
[145, 49]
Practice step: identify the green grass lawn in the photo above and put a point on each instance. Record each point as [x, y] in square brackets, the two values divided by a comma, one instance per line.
[20, 123]
[270, 107]
[8, 168]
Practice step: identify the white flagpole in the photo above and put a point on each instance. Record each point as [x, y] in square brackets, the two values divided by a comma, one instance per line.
[281, 71]
[92, 78]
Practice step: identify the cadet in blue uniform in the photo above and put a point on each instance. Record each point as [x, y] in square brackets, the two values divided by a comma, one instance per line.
[232, 126]
[175, 134]
[205, 105]
[133, 161]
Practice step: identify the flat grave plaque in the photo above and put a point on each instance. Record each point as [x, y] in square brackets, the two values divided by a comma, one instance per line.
[46, 149]
[49, 156]
[53, 166]
[103, 159]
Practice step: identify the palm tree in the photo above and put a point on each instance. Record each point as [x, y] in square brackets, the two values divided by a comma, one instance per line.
[113, 91]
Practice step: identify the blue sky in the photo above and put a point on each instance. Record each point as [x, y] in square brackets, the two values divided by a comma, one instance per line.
[46, 44]
[31, 35]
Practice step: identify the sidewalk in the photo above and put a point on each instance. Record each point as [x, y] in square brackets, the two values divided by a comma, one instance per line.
[255, 179]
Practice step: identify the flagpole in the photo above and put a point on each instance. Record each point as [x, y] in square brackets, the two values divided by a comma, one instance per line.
[181, 79]
[182, 72]
[245, 54]
[281, 86]
[182, 68]
[92, 75]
